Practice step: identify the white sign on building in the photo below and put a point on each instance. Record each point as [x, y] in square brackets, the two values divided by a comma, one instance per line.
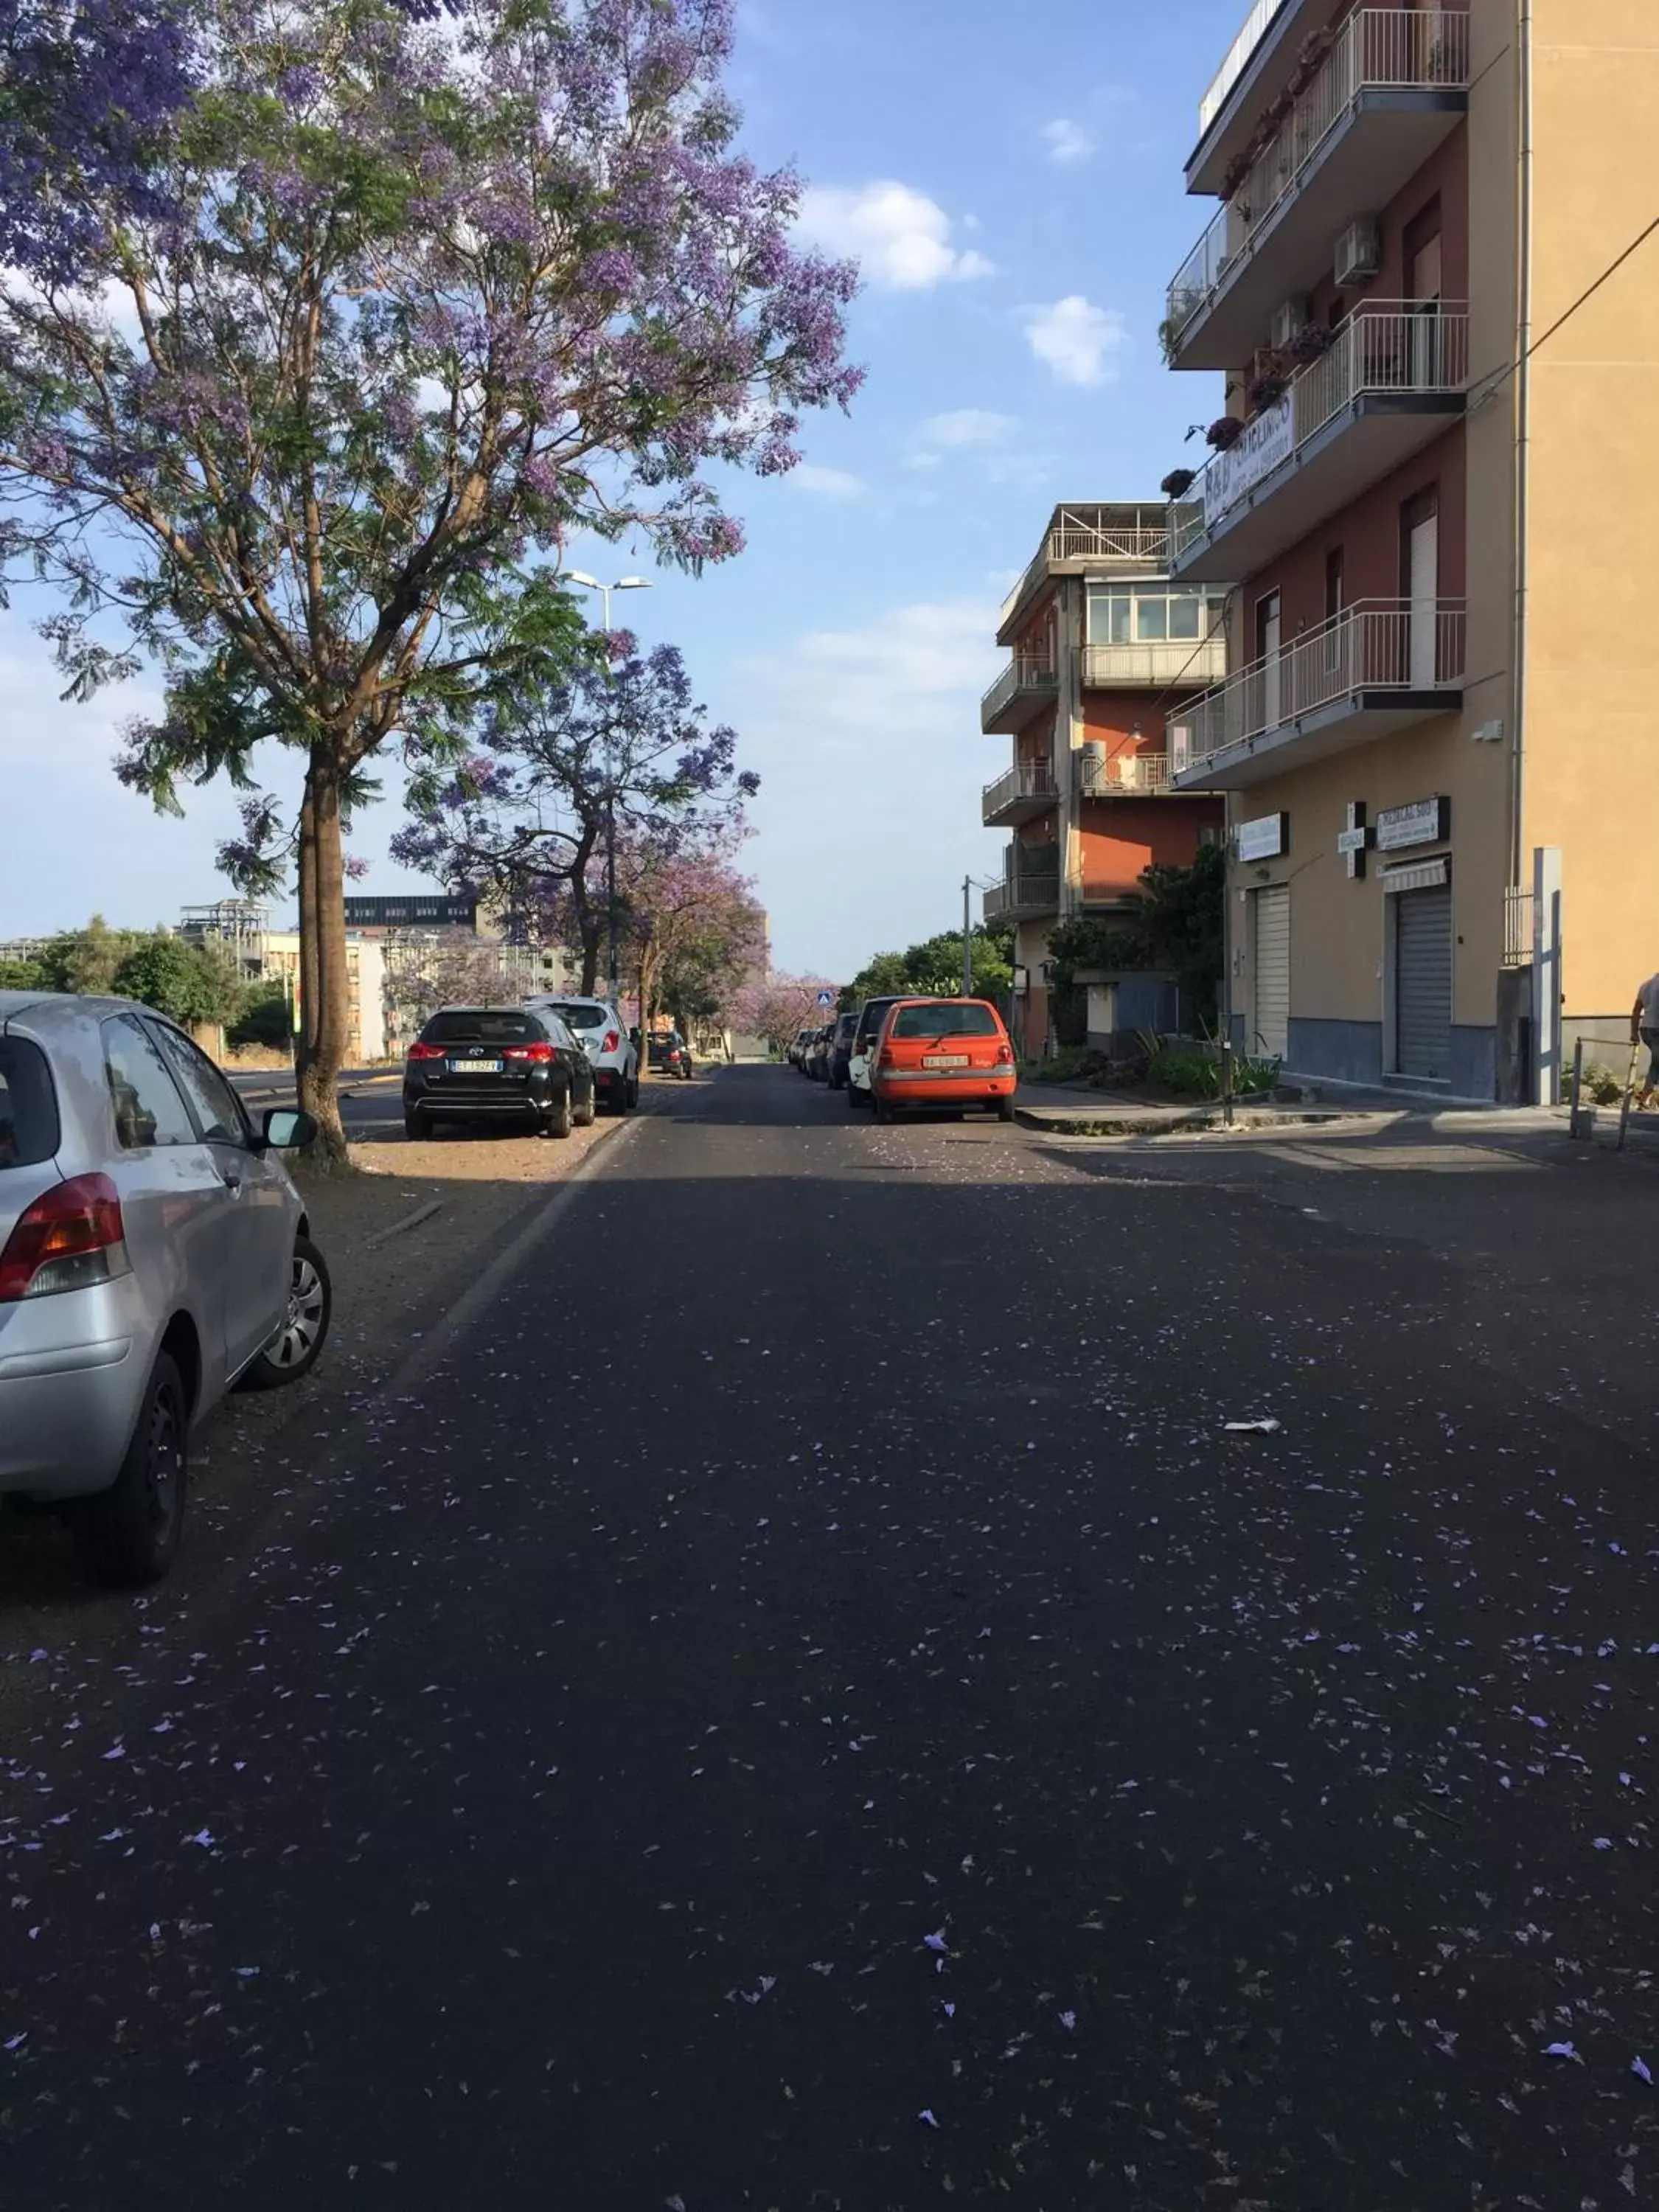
[1269, 439]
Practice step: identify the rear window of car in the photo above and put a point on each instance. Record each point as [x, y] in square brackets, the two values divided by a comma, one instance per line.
[846, 1025]
[875, 1013]
[580, 1017]
[29, 1105]
[482, 1029]
[945, 1021]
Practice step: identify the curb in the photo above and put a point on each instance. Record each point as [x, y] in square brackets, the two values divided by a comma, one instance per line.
[1203, 1122]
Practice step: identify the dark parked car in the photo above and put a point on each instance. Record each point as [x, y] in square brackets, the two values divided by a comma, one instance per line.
[497, 1063]
[840, 1050]
[672, 1055]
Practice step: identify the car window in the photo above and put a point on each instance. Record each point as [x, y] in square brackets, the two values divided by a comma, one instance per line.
[874, 1015]
[946, 1020]
[29, 1105]
[148, 1109]
[579, 1017]
[556, 1030]
[467, 1028]
[218, 1108]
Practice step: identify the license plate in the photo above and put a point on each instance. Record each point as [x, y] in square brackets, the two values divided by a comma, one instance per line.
[945, 1059]
[475, 1067]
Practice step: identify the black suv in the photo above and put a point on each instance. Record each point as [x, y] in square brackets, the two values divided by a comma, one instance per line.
[490, 1063]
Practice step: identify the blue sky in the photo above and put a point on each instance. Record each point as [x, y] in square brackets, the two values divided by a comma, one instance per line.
[1013, 185]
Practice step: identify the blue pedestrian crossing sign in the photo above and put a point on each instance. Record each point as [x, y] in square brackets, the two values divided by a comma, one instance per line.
[826, 998]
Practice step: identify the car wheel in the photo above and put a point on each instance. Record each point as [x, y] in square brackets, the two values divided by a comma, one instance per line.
[1004, 1110]
[292, 1350]
[127, 1534]
[586, 1112]
[561, 1121]
[414, 1127]
[852, 1096]
[631, 1098]
[884, 1111]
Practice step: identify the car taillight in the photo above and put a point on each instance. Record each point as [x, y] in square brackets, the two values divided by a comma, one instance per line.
[536, 1052]
[426, 1051]
[70, 1238]
[885, 1057]
[611, 1041]
[1005, 1055]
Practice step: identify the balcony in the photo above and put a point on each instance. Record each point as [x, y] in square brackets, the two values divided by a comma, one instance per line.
[1124, 775]
[1176, 660]
[1122, 538]
[1025, 792]
[1394, 84]
[1393, 381]
[1029, 886]
[1376, 668]
[1027, 681]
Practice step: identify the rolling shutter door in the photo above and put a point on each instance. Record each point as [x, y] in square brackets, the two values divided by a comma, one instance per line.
[1272, 966]
[1423, 981]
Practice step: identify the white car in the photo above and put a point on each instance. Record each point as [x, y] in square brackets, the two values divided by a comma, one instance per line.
[866, 1037]
[603, 1037]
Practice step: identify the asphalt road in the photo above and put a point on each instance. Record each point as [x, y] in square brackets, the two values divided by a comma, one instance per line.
[803, 1703]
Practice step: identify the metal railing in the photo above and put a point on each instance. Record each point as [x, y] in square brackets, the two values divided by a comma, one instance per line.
[1027, 886]
[1026, 672]
[1028, 779]
[1376, 645]
[1193, 660]
[1517, 926]
[1072, 539]
[1257, 24]
[1385, 346]
[1377, 49]
[1123, 775]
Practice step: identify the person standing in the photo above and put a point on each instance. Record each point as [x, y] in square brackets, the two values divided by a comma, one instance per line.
[1644, 1028]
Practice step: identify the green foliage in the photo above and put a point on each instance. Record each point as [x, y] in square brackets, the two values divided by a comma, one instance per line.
[22, 975]
[266, 1019]
[188, 982]
[1070, 1064]
[1188, 1074]
[1177, 929]
[934, 969]
[1601, 1086]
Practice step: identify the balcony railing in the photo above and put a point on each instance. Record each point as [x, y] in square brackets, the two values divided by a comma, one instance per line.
[1194, 660]
[1026, 672]
[1029, 780]
[1387, 346]
[1028, 886]
[1075, 538]
[1379, 645]
[1378, 49]
[1257, 24]
[1124, 775]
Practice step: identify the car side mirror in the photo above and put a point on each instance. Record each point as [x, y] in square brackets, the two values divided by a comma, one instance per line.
[287, 1130]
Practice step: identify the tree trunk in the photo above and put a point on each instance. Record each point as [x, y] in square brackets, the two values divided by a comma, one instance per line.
[325, 984]
[588, 925]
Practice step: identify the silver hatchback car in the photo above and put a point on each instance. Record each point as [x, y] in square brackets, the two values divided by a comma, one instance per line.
[153, 1252]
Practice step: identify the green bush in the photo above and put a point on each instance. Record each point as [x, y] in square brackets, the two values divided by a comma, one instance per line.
[1601, 1086]
[1189, 1075]
[264, 1020]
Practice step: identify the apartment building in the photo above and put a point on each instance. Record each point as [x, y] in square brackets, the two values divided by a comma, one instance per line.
[1102, 642]
[1433, 286]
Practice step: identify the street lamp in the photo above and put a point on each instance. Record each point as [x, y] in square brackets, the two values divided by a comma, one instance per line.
[586, 583]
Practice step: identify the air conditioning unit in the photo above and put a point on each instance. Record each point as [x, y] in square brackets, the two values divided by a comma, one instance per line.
[1288, 320]
[1359, 251]
[1091, 765]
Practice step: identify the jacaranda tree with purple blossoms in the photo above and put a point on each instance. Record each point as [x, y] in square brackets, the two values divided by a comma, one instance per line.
[613, 746]
[419, 302]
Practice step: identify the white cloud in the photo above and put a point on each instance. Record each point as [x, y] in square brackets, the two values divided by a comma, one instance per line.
[826, 484]
[1074, 339]
[1067, 141]
[967, 426]
[841, 721]
[900, 237]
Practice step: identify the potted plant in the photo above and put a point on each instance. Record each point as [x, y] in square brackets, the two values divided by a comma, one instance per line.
[1311, 344]
[1266, 390]
[1178, 482]
[1226, 430]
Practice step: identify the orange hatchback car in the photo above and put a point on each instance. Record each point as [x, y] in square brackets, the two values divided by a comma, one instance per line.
[944, 1053]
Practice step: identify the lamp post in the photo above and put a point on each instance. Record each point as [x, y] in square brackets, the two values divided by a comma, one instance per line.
[586, 583]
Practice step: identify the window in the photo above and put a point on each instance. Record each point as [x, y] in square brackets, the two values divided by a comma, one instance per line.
[218, 1107]
[1187, 615]
[1151, 614]
[945, 1020]
[29, 1105]
[578, 1013]
[1151, 620]
[504, 1028]
[148, 1107]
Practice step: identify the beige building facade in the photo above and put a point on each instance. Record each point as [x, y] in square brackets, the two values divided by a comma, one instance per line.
[1432, 287]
